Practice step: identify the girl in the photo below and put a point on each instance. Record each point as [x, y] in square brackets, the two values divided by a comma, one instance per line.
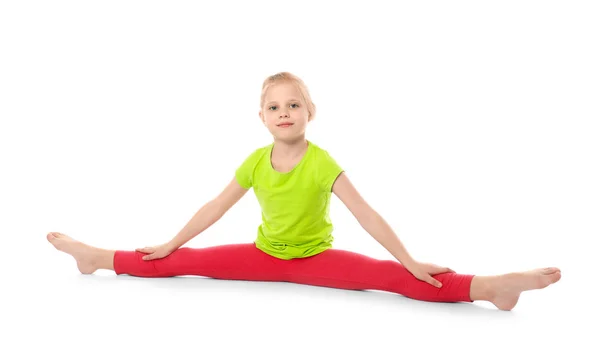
[293, 180]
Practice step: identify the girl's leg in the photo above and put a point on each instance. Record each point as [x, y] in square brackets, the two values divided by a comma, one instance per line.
[349, 270]
[339, 268]
[232, 261]
[242, 261]
[332, 268]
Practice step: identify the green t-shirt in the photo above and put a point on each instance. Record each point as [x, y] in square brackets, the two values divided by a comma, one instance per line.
[295, 204]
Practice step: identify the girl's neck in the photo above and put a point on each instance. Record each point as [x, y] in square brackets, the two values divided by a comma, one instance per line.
[289, 149]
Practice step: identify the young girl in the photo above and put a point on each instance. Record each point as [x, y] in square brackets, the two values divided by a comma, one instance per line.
[293, 180]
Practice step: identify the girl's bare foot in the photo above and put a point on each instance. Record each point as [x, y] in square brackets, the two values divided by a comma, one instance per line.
[88, 258]
[506, 289]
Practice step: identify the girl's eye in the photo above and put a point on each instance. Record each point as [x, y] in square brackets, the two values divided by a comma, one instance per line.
[293, 104]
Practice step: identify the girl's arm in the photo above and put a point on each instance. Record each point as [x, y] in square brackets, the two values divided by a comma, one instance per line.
[377, 227]
[370, 220]
[210, 213]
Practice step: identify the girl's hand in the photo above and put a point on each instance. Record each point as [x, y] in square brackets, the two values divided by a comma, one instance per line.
[423, 272]
[156, 252]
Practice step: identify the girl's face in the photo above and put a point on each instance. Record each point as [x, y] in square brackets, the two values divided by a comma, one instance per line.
[284, 105]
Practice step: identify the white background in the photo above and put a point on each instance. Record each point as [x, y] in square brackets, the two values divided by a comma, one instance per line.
[472, 127]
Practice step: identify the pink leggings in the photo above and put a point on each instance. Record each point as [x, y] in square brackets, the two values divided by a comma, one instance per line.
[333, 268]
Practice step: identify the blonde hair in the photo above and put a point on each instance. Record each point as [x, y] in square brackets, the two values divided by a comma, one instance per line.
[286, 77]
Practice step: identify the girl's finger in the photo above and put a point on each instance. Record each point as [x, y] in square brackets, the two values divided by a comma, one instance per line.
[148, 257]
[434, 282]
[440, 269]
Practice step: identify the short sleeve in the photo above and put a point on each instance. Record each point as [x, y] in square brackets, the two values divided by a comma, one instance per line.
[244, 172]
[328, 171]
